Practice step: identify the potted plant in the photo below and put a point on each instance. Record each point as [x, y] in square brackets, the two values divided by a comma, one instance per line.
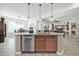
[2, 19]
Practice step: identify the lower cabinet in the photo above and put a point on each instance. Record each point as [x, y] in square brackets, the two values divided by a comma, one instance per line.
[39, 44]
[45, 43]
[50, 44]
[2, 37]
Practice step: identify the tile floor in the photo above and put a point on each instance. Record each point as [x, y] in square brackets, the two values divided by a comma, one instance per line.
[8, 47]
[71, 48]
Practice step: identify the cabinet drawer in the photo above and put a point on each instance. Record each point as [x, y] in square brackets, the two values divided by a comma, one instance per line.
[39, 37]
[50, 37]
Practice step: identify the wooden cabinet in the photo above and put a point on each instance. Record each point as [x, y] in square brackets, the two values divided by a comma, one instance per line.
[50, 43]
[1, 27]
[2, 30]
[1, 37]
[39, 44]
[45, 43]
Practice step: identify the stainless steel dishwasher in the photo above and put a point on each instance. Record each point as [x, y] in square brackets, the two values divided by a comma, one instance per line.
[28, 43]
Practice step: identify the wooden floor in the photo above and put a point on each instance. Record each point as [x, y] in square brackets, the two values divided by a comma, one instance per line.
[71, 48]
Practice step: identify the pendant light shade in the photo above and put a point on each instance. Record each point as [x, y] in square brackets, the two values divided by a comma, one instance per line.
[40, 11]
[51, 10]
[28, 10]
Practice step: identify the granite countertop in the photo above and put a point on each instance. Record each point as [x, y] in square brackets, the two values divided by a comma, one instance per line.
[52, 33]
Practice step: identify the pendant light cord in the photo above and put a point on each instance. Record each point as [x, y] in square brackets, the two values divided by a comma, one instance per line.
[51, 10]
[39, 11]
[28, 10]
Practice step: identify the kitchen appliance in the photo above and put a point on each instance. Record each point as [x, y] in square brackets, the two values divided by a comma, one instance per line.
[46, 29]
[28, 43]
[39, 31]
[31, 30]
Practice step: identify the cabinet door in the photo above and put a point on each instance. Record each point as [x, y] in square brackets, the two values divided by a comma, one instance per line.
[50, 44]
[39, 46]
[1, 31]
[1, 27]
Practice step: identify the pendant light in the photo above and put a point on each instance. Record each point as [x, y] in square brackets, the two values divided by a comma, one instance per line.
[51, 10]
[40, 11]
[28, 10]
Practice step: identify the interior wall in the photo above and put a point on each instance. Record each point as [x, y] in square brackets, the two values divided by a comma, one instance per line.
[70, 16]
[12, 24]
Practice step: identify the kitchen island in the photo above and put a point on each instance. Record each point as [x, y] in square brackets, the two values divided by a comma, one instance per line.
[42, 43]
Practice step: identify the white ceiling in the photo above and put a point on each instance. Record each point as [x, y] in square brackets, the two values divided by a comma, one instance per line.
[19, 10]
[60, 7]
